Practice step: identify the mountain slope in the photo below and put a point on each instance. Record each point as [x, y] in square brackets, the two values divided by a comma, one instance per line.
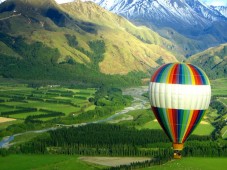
[213, 61]
[221, 9]
[76, 41]
[188, 19]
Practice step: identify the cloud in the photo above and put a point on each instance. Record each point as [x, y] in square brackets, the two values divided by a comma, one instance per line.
[215, 2]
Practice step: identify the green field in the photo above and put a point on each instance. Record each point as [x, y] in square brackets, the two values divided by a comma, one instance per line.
[193, 164]
[219, 86]
[61, 162]
[20, 97]
[24, 115]
[44, 162]
[6, 124]
[224, 132]
[203, 129]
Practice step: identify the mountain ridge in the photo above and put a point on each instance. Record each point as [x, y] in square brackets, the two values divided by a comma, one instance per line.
[189, 19]
[76, 44]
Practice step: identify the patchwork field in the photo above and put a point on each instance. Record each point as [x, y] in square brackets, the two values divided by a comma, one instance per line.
[219, 86]
[47, 162]
[224, 132]
[113, 161]
[3, 119]
[44, 162]
[20, 101]
[194, 163]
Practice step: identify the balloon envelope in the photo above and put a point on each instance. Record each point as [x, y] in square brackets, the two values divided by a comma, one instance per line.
[179, 95]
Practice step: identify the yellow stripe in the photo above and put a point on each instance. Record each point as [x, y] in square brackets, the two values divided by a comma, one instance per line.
[191, 75]
[189, 120]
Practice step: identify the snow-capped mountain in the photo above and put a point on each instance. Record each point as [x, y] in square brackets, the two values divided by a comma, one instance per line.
[221, 9]
[205, 11]
[178, 14]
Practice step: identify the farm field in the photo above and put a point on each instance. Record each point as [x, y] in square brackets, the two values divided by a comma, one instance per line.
[224, 132]
[144, 119]
[219, 87]
[44, 162]
[19, 101]
[113, 161]
[193, 163]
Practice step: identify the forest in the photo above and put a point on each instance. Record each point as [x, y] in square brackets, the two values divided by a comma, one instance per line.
[40, 61]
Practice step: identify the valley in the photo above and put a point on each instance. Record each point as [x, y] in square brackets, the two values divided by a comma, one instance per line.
[137, 115]
[74, 83]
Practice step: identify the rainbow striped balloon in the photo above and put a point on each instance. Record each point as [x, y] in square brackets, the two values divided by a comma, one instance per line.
[179, 95]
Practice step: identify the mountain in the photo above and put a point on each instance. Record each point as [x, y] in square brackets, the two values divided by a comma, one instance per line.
[188, 19]
[79, 41]
[221, 9]
[213, 61]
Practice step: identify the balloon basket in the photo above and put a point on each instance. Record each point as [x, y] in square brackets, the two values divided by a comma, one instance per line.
[177, 147]
[177, 154]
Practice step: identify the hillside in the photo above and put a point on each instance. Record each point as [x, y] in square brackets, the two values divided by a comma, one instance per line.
[213, 61]
[79, 37]
[192, 25]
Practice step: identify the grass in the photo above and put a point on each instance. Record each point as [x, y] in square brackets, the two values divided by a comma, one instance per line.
[16, 96]
[24, 115]
[6, 124]
[203, 129]
[57, 107]
[219, 86]
[6, 109]
[150, 125]
[194, 163]
[44, 162]
[224, 132]
[224, 100]
[25, 137]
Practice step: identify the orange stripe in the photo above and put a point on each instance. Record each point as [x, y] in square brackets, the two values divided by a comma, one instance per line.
[171, 73]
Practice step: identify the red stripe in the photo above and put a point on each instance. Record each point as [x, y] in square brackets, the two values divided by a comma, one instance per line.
[171, 77]
[196, 74]
[176, 74]
[192, 123]
[173, 123]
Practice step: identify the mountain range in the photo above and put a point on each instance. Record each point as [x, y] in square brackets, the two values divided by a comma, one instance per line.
[45, 40]
[82, 42]
[197, 25]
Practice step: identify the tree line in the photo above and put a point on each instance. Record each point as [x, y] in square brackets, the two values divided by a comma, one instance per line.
[113, 140]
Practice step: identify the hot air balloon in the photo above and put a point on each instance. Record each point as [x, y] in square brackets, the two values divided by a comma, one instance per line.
[179, 95]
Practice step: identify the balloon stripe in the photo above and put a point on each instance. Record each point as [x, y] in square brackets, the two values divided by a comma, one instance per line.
[191, 124]
[196, 75]
[174, 117]
[179, 94]
[188, 75]
[157, 77]
[165, 121]
[171, 123]
[154, 77]
[181, 78]
[157, 115]
[171, 75]
[174, 125]
[203, 76]
[180, 73]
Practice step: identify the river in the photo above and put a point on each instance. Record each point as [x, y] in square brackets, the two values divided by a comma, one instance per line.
[139, 102]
